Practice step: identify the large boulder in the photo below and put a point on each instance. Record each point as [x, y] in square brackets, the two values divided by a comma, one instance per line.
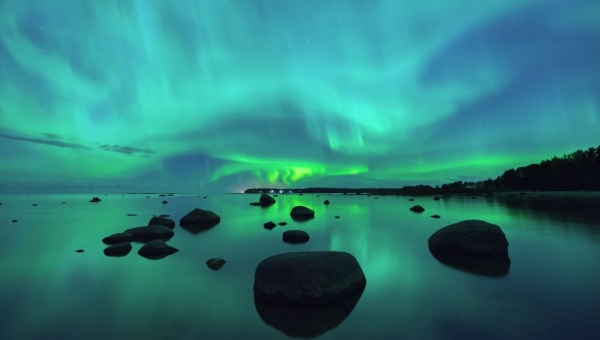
[150, 232]
[295, 236]
[308, 278]
[156, 249]
[118, 238]
[119, 249]
[159, 220]
[198, 220]
[302, 213]
[469, 238]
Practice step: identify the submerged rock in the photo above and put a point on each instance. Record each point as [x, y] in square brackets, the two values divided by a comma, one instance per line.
[151, 232]
[308, 278]
[417, 208]
[160, 220]
[118, 238]
[156, 249]
[295, 236]
[119, 249]
[95, 199]
[14, 221]
[302, 213]
[215, 263]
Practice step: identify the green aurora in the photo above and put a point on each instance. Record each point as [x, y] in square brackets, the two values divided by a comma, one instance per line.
[219, 95]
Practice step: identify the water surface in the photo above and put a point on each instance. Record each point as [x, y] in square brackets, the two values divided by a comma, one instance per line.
[48, 291]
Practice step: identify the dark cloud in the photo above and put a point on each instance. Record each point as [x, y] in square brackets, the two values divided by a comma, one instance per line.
[45, 138]
[128, 150]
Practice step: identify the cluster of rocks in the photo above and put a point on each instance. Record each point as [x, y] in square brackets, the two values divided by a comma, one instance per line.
[154, 235]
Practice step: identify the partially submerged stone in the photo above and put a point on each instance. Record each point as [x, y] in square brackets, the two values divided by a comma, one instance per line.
[295, 236]
[215, 263]
[156, 249]
[95, 200]
[308, 278]
[269, 225]
[160, 220]
[118, 238]
[150, 232]
[119, 249]
[198, 220]
[417, 209]
[302, 213]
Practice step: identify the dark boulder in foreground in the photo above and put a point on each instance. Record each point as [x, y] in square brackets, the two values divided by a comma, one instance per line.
[151, 232]
[474, 246]
[308, 278]
[417, 208]
[306, 321]
[119, 249]
[95, 199]
[160, 220]
[156, 249]
[118, 238]
[199, 220]
[269, 225]
[215, 263]
[302, 213]
[295, 236]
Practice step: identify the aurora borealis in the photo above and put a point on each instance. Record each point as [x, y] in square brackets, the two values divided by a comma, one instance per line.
[220, 95]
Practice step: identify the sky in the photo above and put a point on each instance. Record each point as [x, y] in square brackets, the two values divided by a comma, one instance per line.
[225, 95]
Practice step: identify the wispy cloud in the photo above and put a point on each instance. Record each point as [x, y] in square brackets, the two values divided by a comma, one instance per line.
[129, 150]
[45, 138]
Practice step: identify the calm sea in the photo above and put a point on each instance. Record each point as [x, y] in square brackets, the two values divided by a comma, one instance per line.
[48, 291]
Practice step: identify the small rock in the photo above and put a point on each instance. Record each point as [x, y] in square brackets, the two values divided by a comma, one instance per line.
[79, 251]
[282, 223]
[94, 200]
[156, 249]
[164, 202]
[411, 199]
[198, 220]
[269, 225]
[34, 205]
[337, 216]
[435, 216]
[417, 209]
[128, 214]
[119, 249]
[295, 236]
[14, 221]
[326, 202]
[215, 263]
[436, 198]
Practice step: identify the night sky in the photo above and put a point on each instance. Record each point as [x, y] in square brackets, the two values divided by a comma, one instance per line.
[224, 95]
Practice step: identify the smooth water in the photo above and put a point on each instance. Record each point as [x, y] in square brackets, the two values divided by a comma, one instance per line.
[48, 291]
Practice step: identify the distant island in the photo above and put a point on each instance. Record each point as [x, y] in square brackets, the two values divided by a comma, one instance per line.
[576, 171]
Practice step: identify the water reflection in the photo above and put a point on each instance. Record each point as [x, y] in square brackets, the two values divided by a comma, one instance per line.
[306, 322]
[495, 266]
